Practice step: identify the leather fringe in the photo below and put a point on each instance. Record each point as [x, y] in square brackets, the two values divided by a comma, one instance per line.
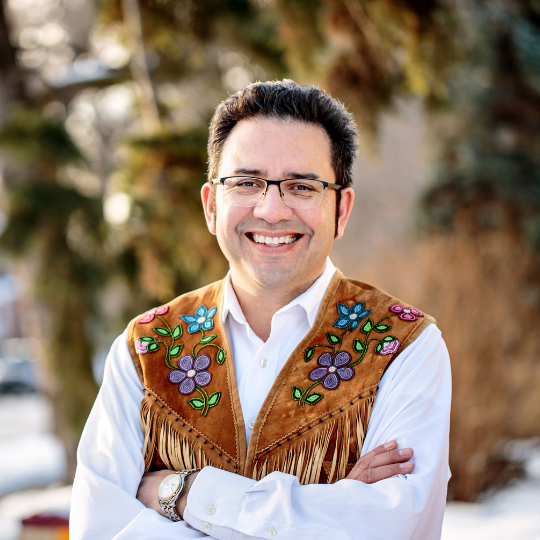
[176, 452]
[306, 458]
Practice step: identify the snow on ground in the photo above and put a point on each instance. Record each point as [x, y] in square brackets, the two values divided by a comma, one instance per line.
[511, 513]
[30, 457]
[32, 465]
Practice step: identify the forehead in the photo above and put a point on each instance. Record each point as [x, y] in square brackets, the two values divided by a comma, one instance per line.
[276, 147]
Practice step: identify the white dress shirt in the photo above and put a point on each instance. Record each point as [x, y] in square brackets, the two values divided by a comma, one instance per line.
[412, 407]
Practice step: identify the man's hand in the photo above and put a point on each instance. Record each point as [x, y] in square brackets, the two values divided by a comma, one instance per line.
[383, 462]
[148, 491]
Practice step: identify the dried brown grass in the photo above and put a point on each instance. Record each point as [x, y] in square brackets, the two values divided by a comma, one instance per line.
[478, 287]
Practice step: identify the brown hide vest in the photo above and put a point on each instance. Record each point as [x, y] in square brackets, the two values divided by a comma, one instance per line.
[314, 419]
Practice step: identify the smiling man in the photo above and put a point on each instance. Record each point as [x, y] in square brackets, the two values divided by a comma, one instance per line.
[286, 399]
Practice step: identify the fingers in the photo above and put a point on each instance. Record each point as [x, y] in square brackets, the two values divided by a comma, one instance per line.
[383, 462]
[390, 458]
[391, 445]
[370, 476]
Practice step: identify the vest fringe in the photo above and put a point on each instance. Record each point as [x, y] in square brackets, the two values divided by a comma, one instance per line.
[176, 452]
[306, 458]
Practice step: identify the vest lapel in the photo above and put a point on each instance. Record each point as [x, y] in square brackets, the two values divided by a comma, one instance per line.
[191, 414]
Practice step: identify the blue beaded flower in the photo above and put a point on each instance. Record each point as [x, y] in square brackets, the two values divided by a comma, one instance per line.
[351, 317]
[202, 320]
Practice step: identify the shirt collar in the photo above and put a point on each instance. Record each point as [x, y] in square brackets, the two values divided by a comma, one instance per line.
[309, 300]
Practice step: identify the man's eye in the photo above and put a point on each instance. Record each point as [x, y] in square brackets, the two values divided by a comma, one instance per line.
[301, 187]
[246, 183]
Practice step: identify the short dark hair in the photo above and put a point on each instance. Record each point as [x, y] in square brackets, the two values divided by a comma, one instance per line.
[287, 100]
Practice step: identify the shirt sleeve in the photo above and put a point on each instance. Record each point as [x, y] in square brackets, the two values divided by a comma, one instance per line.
[110, 464]
[412, 407]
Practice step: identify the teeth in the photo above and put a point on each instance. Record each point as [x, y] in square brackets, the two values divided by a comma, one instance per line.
[269, 241]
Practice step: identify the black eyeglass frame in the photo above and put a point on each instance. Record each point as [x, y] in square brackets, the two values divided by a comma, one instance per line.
[277, 182]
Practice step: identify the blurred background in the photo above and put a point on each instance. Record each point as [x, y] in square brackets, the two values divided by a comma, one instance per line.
[104, 108]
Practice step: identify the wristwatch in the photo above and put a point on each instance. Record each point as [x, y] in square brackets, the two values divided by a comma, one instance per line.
[169, 491]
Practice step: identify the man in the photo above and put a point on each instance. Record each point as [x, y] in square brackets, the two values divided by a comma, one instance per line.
[283, 391]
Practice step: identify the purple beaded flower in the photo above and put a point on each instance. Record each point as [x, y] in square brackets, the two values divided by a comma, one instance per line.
[191, 373]
[390, 348]
[333, 370]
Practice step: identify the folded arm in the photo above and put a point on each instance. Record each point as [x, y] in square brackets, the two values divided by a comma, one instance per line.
[412, 407]
[110, 464]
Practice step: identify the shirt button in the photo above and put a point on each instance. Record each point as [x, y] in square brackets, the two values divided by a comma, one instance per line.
[272, 531]
[251, 424]
[206, 526]
[210, 510]
[264, 362]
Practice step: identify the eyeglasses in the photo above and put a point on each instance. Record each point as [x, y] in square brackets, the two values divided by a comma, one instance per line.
[299, 193]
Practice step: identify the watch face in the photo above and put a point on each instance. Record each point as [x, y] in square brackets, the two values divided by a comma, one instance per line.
[169, 486]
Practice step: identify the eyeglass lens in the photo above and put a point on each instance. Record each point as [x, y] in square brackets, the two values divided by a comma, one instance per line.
[247, 191]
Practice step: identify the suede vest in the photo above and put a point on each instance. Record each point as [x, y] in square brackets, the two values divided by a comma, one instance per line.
[314, 419]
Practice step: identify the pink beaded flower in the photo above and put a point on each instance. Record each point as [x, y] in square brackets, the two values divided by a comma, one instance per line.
[390, 348]
[141, 347]
[151, 314]
[406, 313]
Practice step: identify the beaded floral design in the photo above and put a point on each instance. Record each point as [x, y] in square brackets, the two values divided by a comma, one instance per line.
[189, 372]
[202, 320]
[337, 366]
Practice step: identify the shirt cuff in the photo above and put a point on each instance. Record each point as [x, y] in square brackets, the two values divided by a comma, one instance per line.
[213, 501]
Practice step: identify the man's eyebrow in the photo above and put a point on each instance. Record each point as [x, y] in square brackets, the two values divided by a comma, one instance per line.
[306, 175]
[251, 172]
[288, 174]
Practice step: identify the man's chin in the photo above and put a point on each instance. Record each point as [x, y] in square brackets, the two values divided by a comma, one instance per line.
[282, 275]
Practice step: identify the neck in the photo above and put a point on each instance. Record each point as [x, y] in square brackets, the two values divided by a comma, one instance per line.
[260, 303]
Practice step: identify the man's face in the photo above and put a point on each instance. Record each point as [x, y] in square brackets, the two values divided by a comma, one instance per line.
[276, 149]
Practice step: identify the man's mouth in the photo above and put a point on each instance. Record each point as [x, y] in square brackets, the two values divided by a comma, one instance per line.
[273, 240]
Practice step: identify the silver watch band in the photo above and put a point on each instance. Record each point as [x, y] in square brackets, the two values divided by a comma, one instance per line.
[169, 506]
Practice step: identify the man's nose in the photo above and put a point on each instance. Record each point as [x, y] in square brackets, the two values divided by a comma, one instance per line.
[272, 208]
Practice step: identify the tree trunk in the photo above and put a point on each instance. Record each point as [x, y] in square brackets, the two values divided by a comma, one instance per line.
[138, 66]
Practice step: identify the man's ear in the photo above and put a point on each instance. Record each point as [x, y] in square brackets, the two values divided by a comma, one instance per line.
[208, 206]
[344, 211]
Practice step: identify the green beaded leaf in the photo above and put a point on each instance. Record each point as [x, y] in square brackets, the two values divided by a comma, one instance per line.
[382, 328]
[314, 397]
[161, 331]
[220, 357]
[297, 393]
[213, 400]
[207, 339]
[177, 332]
[197, 403]
[308, 355]
[176, 350]
[388, 339]
[358, 346]
[379, 347]
[148, 339]
[153, 347]
[367, 326]
[332, 338]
